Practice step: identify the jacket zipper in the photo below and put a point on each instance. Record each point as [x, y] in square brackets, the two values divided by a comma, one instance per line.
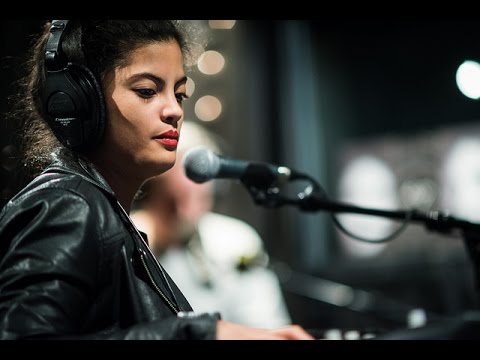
[159, 291]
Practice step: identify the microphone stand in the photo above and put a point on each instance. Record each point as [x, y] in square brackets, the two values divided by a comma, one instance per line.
[314, 198]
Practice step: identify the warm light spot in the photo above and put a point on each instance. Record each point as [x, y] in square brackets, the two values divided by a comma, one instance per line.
[211, 62]
[221, 24]
[208, 108]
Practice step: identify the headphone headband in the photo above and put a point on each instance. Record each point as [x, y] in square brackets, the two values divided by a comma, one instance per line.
[53, 50]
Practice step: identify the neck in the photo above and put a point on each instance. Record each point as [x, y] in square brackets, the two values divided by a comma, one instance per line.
[124, 186]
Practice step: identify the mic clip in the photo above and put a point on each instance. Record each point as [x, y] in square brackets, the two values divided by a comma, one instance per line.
[268, 191]
[268, 197]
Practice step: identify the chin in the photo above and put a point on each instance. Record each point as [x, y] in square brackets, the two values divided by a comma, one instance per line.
[165, 166]
[156, 165]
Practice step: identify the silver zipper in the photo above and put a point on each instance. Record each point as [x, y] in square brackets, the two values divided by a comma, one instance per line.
[143, 254]
[159, 291]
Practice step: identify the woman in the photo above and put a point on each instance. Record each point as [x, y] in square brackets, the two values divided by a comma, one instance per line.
[103, 113]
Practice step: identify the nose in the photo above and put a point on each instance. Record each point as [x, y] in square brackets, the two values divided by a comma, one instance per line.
[172, 110]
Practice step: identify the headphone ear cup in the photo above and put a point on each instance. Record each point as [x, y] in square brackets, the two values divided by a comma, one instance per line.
[97, 110]
[74, 106]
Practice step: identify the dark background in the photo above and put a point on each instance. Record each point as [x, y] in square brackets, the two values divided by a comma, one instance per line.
[308, 94]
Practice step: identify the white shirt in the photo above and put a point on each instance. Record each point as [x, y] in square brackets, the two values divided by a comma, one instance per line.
[207, 272]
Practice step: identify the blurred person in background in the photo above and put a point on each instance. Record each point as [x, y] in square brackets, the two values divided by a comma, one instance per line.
[218, 261]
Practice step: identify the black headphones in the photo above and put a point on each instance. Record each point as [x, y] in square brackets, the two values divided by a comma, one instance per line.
[72, 98]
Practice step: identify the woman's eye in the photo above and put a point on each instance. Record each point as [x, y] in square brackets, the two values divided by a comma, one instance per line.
[181, 96]
[145, 93]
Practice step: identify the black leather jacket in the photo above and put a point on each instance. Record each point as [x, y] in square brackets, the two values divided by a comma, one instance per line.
[72, 265]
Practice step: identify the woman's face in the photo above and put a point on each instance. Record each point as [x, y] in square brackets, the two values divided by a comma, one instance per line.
[144, 109]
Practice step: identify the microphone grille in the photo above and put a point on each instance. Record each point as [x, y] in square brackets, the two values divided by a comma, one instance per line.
[201, 164]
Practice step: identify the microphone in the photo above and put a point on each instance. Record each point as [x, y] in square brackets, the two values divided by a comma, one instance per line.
[201, 165]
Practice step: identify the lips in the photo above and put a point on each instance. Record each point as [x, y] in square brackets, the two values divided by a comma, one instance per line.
[169, 139]
[170, 134]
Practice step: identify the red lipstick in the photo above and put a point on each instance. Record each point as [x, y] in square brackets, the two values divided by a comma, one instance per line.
[169, 139]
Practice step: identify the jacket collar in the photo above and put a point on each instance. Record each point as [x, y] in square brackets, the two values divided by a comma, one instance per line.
[82, 167]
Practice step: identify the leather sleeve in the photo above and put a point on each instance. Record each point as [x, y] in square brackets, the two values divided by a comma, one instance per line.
[48, 277]
[199, 327]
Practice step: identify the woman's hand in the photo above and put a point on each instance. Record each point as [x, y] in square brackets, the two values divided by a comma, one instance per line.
[230, 331]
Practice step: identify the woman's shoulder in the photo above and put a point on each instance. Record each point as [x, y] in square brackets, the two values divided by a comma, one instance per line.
[56, 184]
[56, 189]
[55, 199]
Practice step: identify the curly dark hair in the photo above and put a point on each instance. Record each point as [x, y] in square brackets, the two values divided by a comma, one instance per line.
[100, 45]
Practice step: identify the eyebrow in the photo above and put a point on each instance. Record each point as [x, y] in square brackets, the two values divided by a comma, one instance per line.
[156, 79]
